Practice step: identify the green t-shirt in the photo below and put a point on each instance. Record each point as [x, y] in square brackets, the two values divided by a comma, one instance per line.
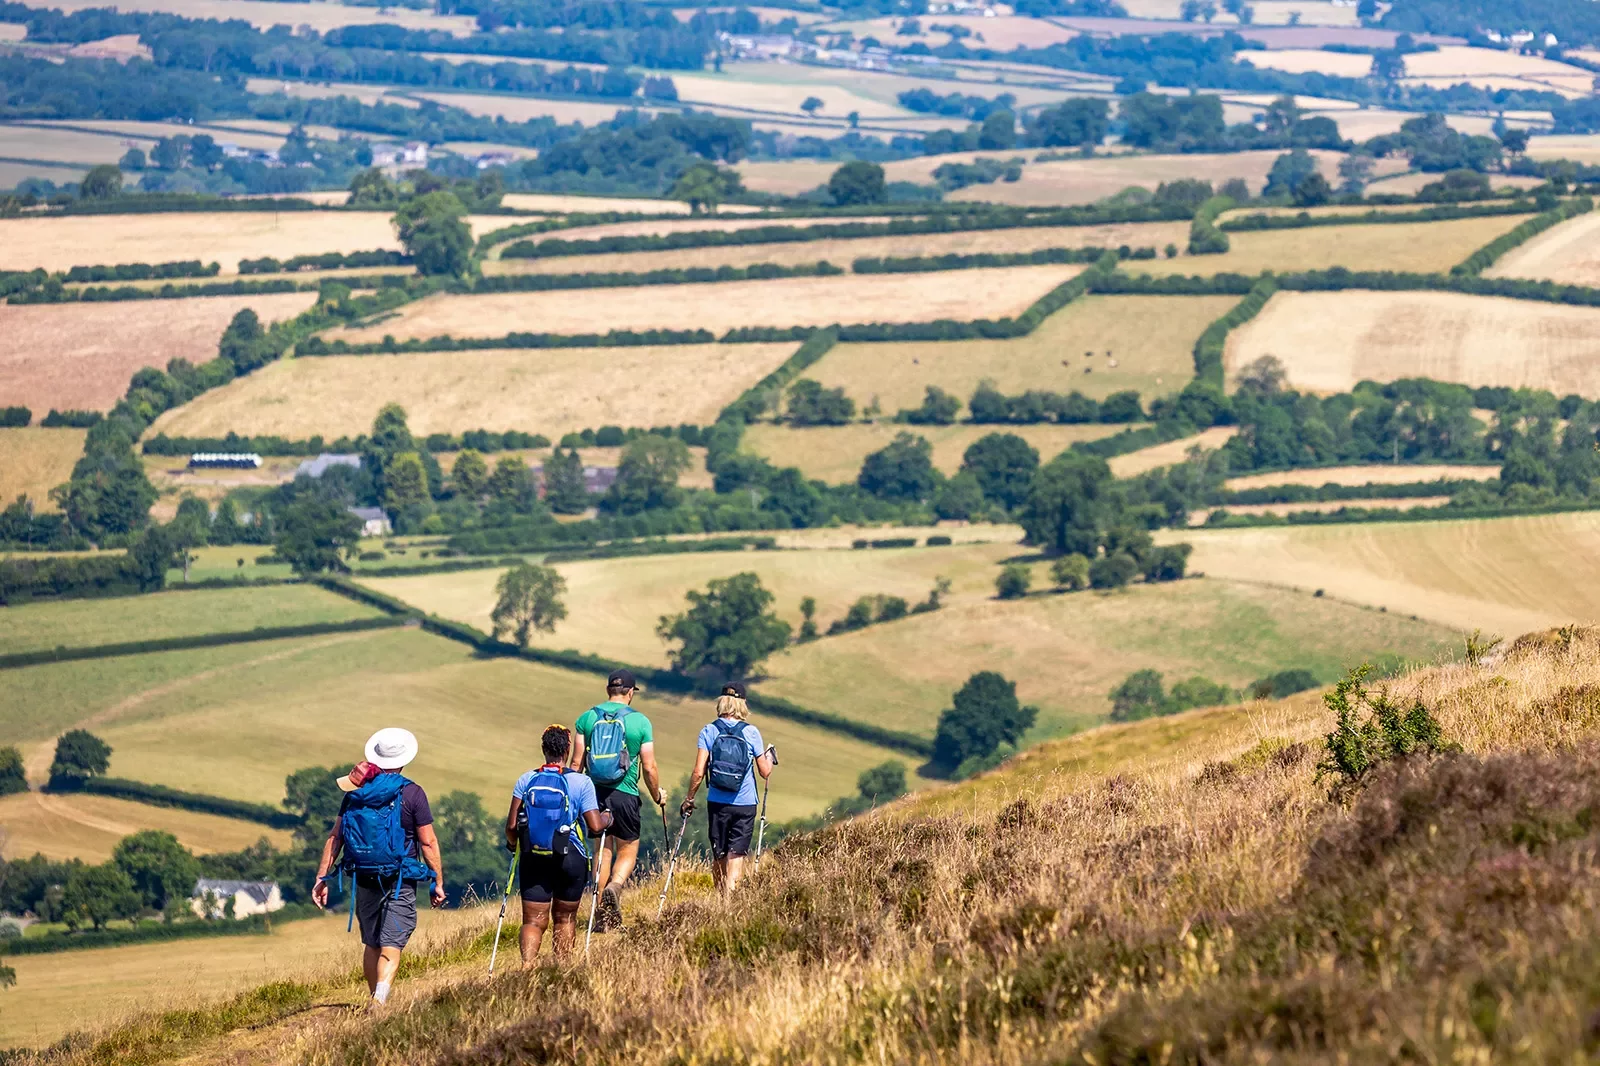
[636, 731]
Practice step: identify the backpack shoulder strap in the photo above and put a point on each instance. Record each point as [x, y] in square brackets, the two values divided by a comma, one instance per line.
[730, 727]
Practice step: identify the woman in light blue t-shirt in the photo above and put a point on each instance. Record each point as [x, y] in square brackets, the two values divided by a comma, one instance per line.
[730, 812]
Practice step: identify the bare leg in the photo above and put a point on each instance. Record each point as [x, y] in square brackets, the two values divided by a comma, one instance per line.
[370, 957]
[730, 880]
[719, 874]
[535, 918]
[566, 934]
[388, 965]
[624, 854]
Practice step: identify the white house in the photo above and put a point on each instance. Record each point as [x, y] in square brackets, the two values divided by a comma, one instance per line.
[374, 523]
[211, 897]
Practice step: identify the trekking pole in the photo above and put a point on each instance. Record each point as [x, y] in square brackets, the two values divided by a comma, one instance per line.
[672, 864]
[761, 831]
[504, 899]
[594, 900]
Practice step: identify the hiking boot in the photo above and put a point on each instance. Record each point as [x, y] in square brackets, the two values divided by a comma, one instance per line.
[610, 909]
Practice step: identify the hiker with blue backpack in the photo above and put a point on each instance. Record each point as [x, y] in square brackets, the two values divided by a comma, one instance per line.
[730, 754]
[615, 746]
[383, 840]
[550, 809]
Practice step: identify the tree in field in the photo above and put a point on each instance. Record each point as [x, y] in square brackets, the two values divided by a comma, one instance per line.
[1004, 465]
[13, 778]
[883, 782]
[528, 597]
[150, 557]
[812, 405]
[901, 470]
[1113, 570]
[808, 632]
[939, 408]
[405, 486]
[647, 476]
[317, 534]
[470, 474]
[1288, 171]
[811, 105]
[132, 159]
[728, 630]
[960, 498]
[434, 235]
[313, 794]
[161, 869]
[1070, 572]
[80, 755]
[96, 895]
[985, 715]
[1312, 190]
[858, 182]
[1071, 123]
[101, 183]
[472, 837]
[998, 132]
[1355, 170]
[1514, 141]
[191, 529]
[1013, 582]
[372, 186]
[1069, 503]
[705, 185]
[1139, 696]
[565, 491]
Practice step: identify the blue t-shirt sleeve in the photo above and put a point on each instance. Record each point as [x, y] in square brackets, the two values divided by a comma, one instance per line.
[520, 789]
[752, 735]
[708, 736]
[581, 791]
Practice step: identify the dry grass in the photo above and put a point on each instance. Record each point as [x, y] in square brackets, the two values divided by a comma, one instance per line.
[730, 90]
[1330, 341]
[727, 305]
[1411, 184]
[1150, 338]
[881, 86]
[1579, 147]
[65, 146]
[1309, 61]
[842, 252]
[81, 826]
[33, 461]
[652, 227]
[237, 133]
[546, 391]
[1174, 451]
[1455, 61]
[523, 108]
[560, 204]
[1366, 475]
[1002, 33]
[367, 94]
[82, 355]
[1569, 254]
[835, 453]
[1504, 575]
[14, 174]
[1424, 247]
[264, 14]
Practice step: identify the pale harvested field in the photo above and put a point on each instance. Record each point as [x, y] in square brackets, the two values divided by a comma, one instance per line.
[1579, 147]
[791, 176]
[722, 306]
[33, 461]
[1414, 246]
[1151, 338]
[1330, 341]
[546, 391]
[1386, 474]
[82, 355]
[731, 91]
[1198, 518]
[1173, 451]
[523, 108]
[87, 827]
[1566, 86]
[1569, 253]
[1460, 61]
[1325, 211]
[1411, 184]
[154, 131]
[1266, 12]
[1505, 575]
[14, 174]
[1002, 33]
[305, 90]
[1360, 125]
[844, 251]
[66, 146]
[12, 31]
[661, 226]
[879, 85]
[835, 453]
[264, 14]
[561, 204]
[1311, 60]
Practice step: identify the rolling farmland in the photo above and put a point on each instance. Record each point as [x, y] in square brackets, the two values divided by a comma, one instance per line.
[33, 461]
[72, 825]
[1568, 254]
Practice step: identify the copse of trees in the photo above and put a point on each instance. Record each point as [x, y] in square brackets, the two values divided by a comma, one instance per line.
[79, 755]
[1141, 695]
[727, 631]
[985, 718]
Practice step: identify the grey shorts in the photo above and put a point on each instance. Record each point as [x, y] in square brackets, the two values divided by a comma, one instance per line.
[386, 921]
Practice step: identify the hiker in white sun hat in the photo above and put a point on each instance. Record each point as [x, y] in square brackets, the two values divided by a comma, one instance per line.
[385, 834]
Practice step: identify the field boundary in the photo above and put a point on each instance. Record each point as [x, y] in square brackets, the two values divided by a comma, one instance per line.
[1485, 257]
[202, 640]
[202, 803]
[1443, 213]
[153, 932]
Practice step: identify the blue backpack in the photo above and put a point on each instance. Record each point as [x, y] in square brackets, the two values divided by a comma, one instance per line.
[548, 817]
[374, 840]
[730, 756]
[606, 757]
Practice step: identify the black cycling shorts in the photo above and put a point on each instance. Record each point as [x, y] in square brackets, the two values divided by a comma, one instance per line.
[548, 877]
[624, 808]
[733, 827]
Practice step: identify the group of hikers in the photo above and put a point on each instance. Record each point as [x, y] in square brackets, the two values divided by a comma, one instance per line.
[576, 815]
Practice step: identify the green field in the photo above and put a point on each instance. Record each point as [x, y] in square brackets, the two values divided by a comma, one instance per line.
[244, 717]
[175, 613]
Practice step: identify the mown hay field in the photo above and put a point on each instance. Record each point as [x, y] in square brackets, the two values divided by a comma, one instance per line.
[175, 613]
[72, 825]
[835, 453]
[1312, 61]
[1386, 474]
[65, 146]
[33, 461]
[1504, 575]
[1173, 451]
[843, 251]
[245, 716]
[881, 86]
[13, 174]
[1409, 184]
[1579, 147]
[1149, 338]
[1569, 254]
[562, 204]
[1328, 341]
[550, 391]
[729, 90]
[722, 306]
[525, 108]
[656, 227]
[81, 356]
[1424, 247]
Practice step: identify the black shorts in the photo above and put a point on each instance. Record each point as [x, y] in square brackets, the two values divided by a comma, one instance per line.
[548, 877]
[624, 808]
[733, 826]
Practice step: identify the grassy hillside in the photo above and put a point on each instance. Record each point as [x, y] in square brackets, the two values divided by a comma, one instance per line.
[33, 461]
[77, 825]
[1180, 890]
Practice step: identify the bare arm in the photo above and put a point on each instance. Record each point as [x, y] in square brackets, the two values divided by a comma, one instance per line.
[330, 848]
[575, 758]
[428, 844]
[701, 758]
[511, 823]
[598, 821]
[764, 765]
[650, 773]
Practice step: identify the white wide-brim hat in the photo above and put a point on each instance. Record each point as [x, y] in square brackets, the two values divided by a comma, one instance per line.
[391, 748]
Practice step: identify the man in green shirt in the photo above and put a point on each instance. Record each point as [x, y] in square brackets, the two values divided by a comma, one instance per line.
[620, 797]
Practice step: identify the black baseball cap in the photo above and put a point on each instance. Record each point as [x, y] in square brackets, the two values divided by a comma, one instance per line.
[621, 679]
[733, 688]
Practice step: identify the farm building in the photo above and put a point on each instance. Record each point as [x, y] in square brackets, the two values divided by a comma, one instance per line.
[211, 898]
[374, 523]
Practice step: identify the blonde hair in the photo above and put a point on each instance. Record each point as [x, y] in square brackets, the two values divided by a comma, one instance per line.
[733, 707]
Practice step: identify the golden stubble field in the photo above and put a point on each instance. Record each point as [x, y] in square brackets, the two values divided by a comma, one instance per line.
[843, 251]
[1173, 451]
[722, 306]
[1569, 254]
[81, 355]
[551, 391]
[33, 460]
[1331, 340]
[1149, 338]
[82, 826]
[1386, 474]
[658, 227]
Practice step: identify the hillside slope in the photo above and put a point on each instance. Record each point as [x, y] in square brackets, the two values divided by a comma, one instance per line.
[1179, 891]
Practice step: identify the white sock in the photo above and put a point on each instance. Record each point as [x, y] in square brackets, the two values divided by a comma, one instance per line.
[380, 992]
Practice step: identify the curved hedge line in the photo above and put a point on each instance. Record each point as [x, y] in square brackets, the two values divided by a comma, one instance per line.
[1209, 348]
[669, 276]
[161, 796]
[1204, 236]
[201, 640]
[623, 338]
[749, 405]
[1442, 213]
[916, 264]
[1485, 257]
[185, 268]
[50, 294]
[324, 261]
